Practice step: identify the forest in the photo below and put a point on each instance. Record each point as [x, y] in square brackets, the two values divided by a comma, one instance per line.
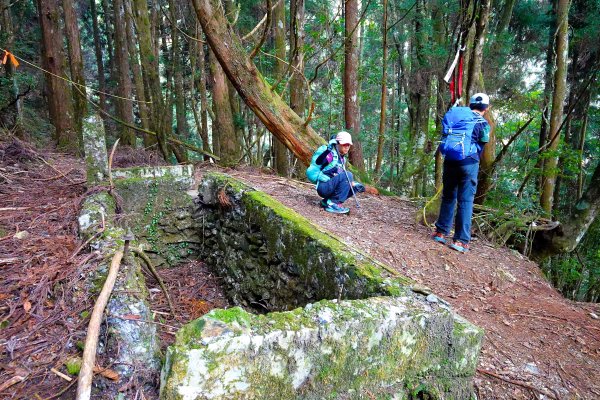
[263, 83]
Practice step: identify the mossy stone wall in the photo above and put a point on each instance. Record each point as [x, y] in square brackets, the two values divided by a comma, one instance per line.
[158, 209]
[347, 342]
[131, 342]
[273, 259]
[362, 331]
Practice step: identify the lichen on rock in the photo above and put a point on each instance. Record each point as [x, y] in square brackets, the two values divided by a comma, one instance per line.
[380, 347]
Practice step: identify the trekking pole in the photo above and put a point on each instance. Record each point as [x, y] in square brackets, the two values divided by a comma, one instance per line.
[350, 183]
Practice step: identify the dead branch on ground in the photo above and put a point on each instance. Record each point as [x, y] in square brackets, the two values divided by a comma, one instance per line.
[86, 374]
[140, 253]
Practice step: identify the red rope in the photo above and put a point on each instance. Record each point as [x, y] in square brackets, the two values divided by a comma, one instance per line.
[457, 81]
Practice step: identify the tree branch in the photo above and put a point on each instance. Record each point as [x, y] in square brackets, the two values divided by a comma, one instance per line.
[86, 374]
[402, 17]
[262, 21]
[504, 150]
[264, 35]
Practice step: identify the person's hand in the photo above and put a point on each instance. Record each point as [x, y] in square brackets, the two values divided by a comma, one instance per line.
[359, 187]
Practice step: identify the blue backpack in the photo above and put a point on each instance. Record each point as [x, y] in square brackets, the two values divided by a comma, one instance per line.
[457, 129]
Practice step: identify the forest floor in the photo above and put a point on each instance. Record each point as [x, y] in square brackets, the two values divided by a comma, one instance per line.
[537, 344]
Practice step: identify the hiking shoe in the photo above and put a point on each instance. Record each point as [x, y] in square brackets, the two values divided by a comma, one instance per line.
[359, 187]
[459, 246]
[323, 203]
[336, 208]
[438, 237]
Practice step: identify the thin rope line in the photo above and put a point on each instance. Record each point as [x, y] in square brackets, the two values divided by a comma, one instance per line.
[75, 83]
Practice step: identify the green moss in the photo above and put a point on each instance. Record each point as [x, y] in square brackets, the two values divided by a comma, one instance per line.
[308, 236]
[230, 315]
[151, 207]
[293, 320]
[73, 365]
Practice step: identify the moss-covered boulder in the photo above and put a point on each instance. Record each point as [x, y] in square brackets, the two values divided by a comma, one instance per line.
[382, 347]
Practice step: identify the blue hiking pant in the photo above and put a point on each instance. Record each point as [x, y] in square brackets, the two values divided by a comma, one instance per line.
[337, 189]
[460, 185]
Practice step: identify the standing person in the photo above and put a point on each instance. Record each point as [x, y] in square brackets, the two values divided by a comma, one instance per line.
[461, 167]
[327, 170]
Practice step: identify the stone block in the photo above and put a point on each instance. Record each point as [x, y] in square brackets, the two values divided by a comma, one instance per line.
[382, 347]
[94, 148]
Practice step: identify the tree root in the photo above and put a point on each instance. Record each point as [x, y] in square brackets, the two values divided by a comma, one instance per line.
[140, 253]
[521, 384]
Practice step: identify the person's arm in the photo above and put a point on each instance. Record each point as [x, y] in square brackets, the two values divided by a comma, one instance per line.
[481, 135]
[483, 132]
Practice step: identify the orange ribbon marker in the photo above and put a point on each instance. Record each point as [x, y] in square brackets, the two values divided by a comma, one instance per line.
[11, 57]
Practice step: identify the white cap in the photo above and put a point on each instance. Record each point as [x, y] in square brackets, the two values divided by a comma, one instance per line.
[480, 98]
[343, 137]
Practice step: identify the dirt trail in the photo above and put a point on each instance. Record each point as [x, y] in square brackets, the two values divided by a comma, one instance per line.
[537, 344]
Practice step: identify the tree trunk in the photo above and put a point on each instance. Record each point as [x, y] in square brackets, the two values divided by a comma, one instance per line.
[138, 79]
[149, 61]
[14, 117]
[76, 65]
[234, 101]
[382, 119]
[567, 236]
[280, 119]
[548, 90]
[418, 103]
[438, 15]
[297, 98]
[351, 62]
[393, 118]
[100, 66]
[124, 108]
[177, 63]
[505, 16]
[558, 98]
[53, 60]
[281, 164]
[229, 149]
[475, 84]
[203, 98]
[109, 39]
[473, 77]
[572, 83]
[486, 163]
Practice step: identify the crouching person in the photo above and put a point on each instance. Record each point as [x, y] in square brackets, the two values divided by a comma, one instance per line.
[327, 170]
